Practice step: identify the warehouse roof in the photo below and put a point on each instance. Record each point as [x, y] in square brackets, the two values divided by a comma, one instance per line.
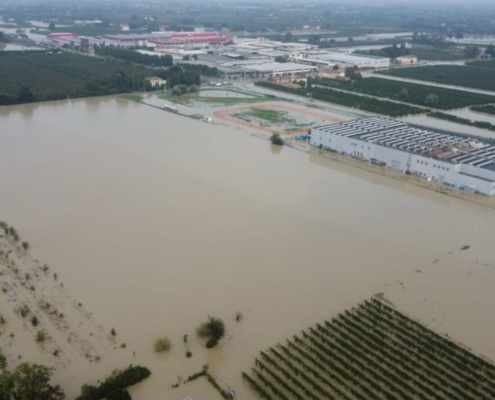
[443, 146]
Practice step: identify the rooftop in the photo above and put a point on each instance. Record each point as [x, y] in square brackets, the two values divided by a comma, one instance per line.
[443, 146]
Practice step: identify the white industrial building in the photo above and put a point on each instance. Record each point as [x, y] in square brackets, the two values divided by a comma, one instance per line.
[328, 59]
[458, 160]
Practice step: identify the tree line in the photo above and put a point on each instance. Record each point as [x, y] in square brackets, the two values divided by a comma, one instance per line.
[134, 56]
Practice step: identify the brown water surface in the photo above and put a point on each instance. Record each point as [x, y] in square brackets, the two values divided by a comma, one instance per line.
[155, 221]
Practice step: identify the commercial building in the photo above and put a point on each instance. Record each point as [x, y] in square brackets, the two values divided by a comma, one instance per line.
[458, 160]
[329, 59]
[409, 59]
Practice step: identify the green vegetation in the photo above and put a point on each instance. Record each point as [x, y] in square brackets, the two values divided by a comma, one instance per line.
[133, 56]
[459, 75]
[407, 92]
[488, 109]
[350, 100]
[25, 78]
[440, 53]
[275, 117]
[161, 345]
[222, 100]
[463, 121]
[371, 352]
[483, 64]
[213, 330]
[40, 336]
[117, 382]
[29, 382]
[277, 140]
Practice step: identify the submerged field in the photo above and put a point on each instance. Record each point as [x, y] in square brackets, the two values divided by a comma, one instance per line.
[371, 352]
[153, 221]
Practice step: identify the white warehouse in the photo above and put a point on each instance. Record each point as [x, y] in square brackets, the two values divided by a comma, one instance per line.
[458, 160]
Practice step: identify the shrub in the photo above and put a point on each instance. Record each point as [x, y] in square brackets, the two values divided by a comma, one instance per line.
[118, 381]
[213, 329]
[34, 320]
[431, 100]
[193, 89]
[162, 344]
[40, 337]
[277, 140]
[119, 395]
[176, 91]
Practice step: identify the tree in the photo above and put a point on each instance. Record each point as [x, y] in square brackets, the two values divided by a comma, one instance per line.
[336, 67]
[490, 49]
[314, 39]
[280, 59]
[288, 37]
[350, 39]
[277, 140]
[302, 83]
[404, 94]
[431, 100]
[459, 35]
[473, 52]
[119, 395]
[213, 330]
[52, 26]
[4, 99]
[29, 382]
[25, 95]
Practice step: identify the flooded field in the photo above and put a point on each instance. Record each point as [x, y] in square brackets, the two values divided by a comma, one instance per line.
[154, 221]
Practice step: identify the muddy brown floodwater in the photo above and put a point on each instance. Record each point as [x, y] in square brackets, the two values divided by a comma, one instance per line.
[155, 221]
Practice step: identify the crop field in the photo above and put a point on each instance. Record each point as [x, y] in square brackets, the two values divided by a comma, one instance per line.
[364, 103]
[483, 64]
[488, 109]
[48, 75]
[371, 352]
[458, 75]
[414, 93]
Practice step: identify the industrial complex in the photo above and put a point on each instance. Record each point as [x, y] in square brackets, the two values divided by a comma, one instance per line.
[458, 160]
[233, 57]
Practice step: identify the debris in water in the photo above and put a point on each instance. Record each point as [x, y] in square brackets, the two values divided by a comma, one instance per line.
[465, 247]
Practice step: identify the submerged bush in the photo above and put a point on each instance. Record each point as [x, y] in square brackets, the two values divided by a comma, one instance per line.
[162, 344]
[213, 330]
[277, 140]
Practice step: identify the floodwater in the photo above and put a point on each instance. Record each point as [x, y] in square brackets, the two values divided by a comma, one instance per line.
[155, 221]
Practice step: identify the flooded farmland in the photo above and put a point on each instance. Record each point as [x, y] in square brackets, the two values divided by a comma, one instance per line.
[154, 221]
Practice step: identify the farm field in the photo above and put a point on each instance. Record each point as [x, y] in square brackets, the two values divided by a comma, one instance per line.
[377, 106]
[483, 64]
[410, 92]
[488, 109]
[371, 352]
[458, 75]
[428, 54]
[62, 75]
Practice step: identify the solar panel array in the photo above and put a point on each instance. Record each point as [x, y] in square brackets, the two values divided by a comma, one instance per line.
[426, 142]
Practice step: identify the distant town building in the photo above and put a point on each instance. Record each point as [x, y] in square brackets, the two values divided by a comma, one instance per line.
[409, 59]
[156, 81]
[125, 27]
[458, 160]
